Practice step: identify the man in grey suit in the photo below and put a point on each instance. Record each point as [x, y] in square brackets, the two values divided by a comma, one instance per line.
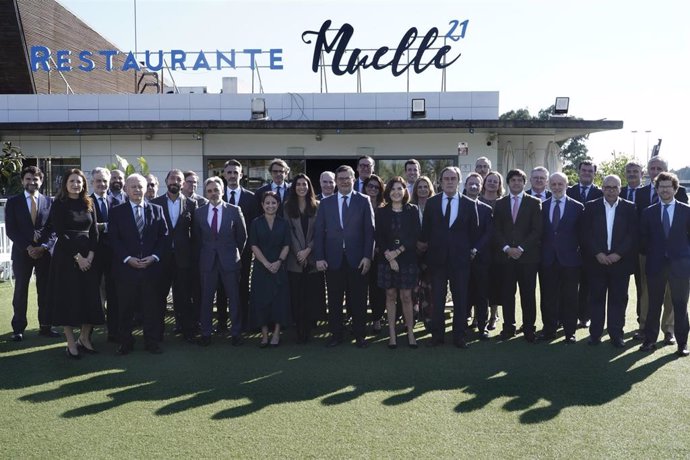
[343, 248]
[220, 235]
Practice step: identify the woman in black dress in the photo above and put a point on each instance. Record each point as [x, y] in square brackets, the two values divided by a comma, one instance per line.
[422, 190]
[306, 283]
[269, 302]
[492, 190]
[75, 298]
[397, 232]
[373, 187]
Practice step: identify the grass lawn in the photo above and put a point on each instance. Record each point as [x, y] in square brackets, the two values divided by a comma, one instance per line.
[495, 400]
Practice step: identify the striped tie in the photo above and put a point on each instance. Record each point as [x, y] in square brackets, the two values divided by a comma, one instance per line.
[139, 218]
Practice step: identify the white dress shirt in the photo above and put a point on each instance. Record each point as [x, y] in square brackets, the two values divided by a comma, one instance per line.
[238, 192]
[340, 206]
[454, 206]
[610, 211]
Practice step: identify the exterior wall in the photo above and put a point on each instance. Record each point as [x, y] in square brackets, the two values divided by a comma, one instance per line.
[482, 105]
[527, 151]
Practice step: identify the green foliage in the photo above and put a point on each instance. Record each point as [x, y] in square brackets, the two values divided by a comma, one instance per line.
[616, 165]
[11, 163]
[520, 114]
[125, 166]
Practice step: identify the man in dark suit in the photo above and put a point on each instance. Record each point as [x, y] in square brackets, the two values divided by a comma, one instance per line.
[538, 179]
[137, 234]
[220, 235]
[177, 256]
[116, 183]
[246, 200]
[645, 197]
[279, 172]
[610, 255]
[560, 260]
[584, 191]
[327, 183]
[365, 168]
[633, 175]
[517, 237]
[100, 178]
[26, 215]
[343, 248]
[665, 234]
[480, 253]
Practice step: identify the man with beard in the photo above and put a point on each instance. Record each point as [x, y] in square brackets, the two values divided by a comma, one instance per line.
[26, 216]
[117, 181]
[177, 255]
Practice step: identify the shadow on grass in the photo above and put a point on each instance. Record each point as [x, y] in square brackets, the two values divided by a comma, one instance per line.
[538, 381]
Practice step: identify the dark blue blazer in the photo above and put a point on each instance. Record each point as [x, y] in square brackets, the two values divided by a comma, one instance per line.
[643, 197]
[675, 249]
[574, 192]
[485, 233]
[125, 241]
[18, 223]
[358, 233]
[249, 204]
[624, 241]
[450, 246]
[562, 245]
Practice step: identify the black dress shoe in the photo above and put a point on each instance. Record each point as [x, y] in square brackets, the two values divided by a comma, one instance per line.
[648, 346]
[333, 343]
[594, 341]
[669, 339]
[546, 337]
[154, 349]
[263, 345]
[639, 335]
[618, 342]
[484, 336]
[88, 351]
[570, 339]
[683, 352]
[505, 335]
[392, 346]
[530, 337]
[70, 355]
[236, 340]
[46, 331]
[124, 350]
[17, 337]
[460, 343]
[362, 343]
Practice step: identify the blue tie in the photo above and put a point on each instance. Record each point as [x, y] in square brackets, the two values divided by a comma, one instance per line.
[666, 221]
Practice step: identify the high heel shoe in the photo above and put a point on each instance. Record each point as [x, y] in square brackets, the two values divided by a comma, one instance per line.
[88, 351]
[392, 346]
[412, 344]
[70, 355]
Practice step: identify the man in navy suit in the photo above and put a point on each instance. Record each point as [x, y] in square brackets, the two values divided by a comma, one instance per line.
[220, 235]
[279, 173]
[26, 215]
[365, 168]
[560, 260]
[665, 234]
[137, 234]
[116, 183]
[645, 197]
[100, 178]
[246, 200]
[538, 179]
[343, 248]
[610, 249]
[177, 257]
[633, 175]
[327, 183]
[517, 241]
[584, 191]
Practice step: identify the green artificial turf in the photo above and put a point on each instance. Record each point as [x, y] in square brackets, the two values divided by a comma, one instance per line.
[495, 400]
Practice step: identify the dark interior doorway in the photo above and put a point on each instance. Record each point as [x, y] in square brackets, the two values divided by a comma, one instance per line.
[316, 166]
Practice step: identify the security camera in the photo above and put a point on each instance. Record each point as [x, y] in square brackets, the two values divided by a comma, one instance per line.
[488, 143]
[471, 130]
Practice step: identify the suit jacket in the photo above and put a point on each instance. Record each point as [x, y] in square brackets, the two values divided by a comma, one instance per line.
[125, 240]
[299, 241]
[387, 240]
[525, 232]
[675, 249]
[449, 246]
[18, 223]
[593, 193]
[267, 188]
[249, 203]
[179, 237]
[624, 193]
[357, 234]
[562, 245]
[483, 245]
[228, 245]
[644, 194]
[200, 200]
[548, 194]
[623, 240]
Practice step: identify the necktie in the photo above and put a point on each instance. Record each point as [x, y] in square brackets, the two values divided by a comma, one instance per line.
[280, 196]
[104, 210]
[631, 194]
[34, 209]
[516, 206]
[139, 218]
[446, 216]
[232, 197]
[345, 208]
[666, 220]
[655, 197]
[583, 194]
[214, 223]
[556, 218]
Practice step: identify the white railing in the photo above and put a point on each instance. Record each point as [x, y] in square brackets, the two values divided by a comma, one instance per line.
[5, 254]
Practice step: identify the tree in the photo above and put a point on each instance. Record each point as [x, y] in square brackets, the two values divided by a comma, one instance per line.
[616, 165]
[123, 165]
[11, 163]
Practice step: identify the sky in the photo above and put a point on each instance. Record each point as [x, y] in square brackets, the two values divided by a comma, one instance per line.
[615, 60]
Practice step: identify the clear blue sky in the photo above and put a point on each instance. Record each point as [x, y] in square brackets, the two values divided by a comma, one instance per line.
[618, 60]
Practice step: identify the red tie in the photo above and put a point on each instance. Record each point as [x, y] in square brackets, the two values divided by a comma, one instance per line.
[214, 223]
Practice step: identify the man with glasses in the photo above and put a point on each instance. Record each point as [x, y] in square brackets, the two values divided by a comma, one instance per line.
[151, 187]
[538, 178]
[482, 166]
[279, 172]
[191, 182]
[365, 168]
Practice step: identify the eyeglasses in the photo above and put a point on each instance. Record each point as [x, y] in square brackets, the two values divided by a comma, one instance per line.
[152, 185]
[277, 171]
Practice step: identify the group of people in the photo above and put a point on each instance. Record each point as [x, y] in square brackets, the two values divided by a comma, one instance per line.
[266, 259]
